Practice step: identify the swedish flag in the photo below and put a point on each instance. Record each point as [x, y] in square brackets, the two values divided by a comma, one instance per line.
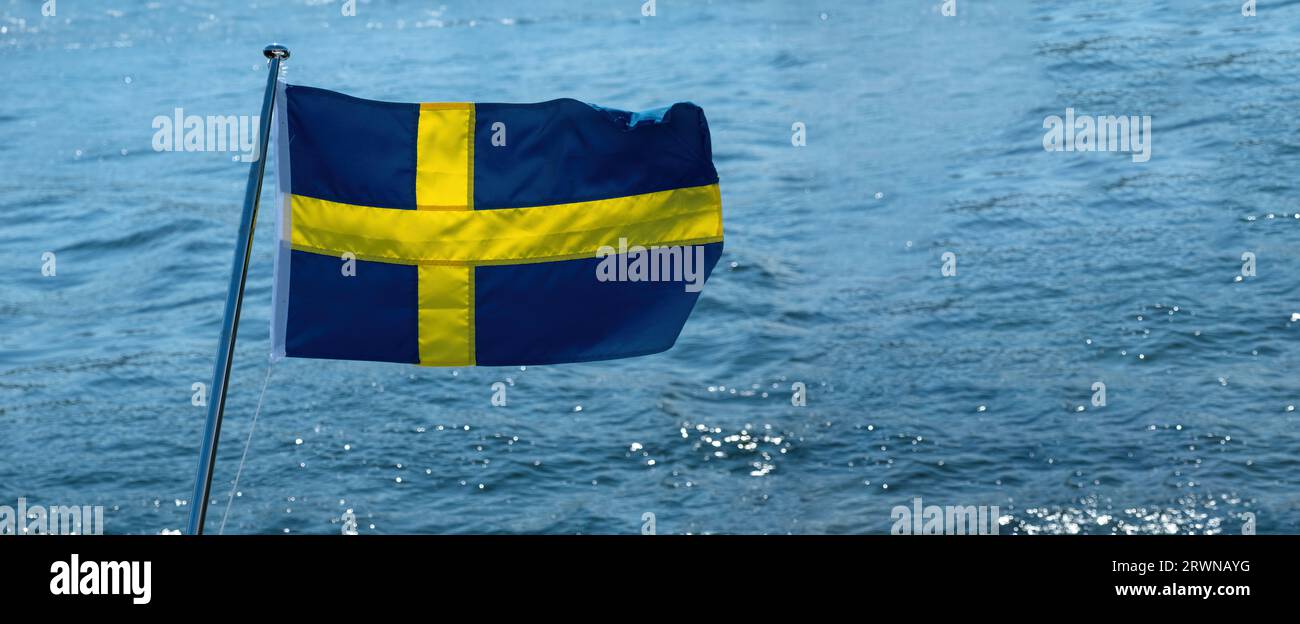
[460, 234]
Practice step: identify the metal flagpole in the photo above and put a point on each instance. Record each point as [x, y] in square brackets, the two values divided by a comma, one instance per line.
[234, 297]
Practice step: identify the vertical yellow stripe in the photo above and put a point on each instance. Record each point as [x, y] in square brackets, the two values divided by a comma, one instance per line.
[469, 160]
[469, 315]
[445, 313]
[469, 204]
[444, 180]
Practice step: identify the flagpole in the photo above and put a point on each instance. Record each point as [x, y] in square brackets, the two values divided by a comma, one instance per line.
[234, 298]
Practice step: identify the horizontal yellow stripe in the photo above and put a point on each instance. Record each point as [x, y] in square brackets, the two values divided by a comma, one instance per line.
[575, 256]
[687, 216]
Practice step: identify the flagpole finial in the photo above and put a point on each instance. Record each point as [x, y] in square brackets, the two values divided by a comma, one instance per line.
[276, 50]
